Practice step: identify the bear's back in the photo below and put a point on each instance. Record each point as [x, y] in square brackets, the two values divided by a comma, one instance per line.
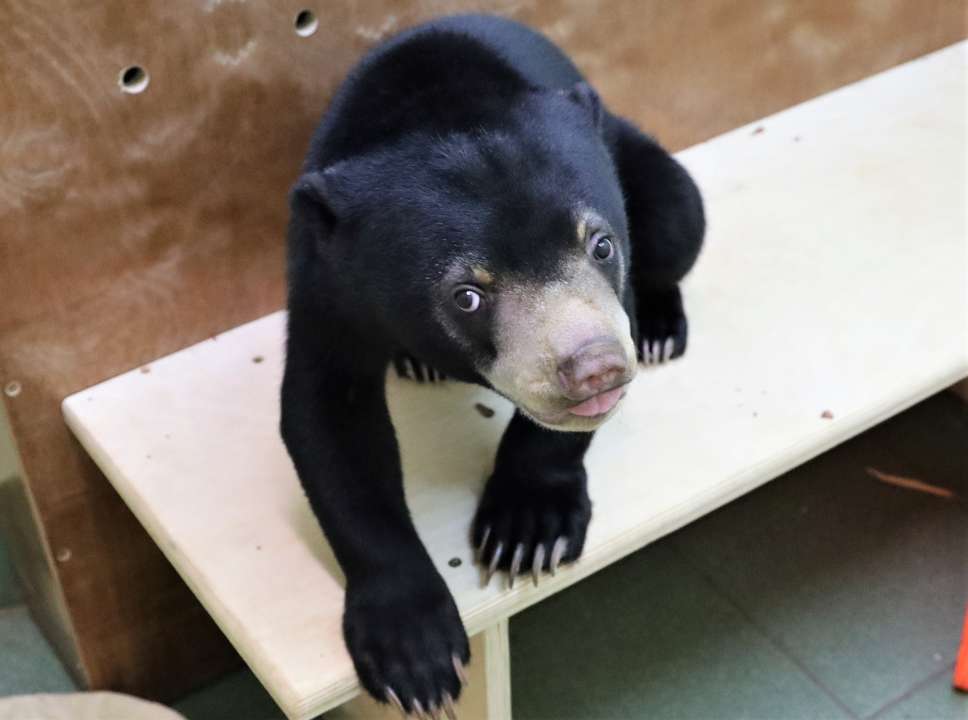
[447, 75]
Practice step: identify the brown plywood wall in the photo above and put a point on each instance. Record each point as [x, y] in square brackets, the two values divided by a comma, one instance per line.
[132, 225]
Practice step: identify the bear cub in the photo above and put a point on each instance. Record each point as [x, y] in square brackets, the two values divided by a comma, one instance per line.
[469, 209]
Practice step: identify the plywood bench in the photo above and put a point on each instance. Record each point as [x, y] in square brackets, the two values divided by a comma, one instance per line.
[831, 295]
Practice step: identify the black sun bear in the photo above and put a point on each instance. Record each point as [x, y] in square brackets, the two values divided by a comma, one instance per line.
[469, 209]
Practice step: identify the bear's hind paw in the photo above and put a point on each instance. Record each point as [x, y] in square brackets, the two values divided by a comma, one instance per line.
[663, 328]
[410, 368]
[655, 352]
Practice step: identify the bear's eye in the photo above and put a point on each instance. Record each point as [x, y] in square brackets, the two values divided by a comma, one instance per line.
[468, 299]
[603, 249]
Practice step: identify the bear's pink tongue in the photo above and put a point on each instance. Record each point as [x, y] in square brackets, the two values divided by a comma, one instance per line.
[598, 404]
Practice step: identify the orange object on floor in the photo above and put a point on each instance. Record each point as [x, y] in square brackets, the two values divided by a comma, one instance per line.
[960, 680]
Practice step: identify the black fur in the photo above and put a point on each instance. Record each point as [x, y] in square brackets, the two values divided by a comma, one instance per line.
[468, 137]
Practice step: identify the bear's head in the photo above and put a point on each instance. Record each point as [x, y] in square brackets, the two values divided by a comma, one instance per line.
[496, 252]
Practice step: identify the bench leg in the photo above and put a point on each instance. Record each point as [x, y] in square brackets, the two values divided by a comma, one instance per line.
[486, 697]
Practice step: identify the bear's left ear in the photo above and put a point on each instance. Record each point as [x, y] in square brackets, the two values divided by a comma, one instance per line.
[316, 193]
[584, 95]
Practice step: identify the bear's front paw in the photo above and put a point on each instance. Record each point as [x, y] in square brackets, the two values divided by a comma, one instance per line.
[408, 645]
[663, 328]
[531, 523]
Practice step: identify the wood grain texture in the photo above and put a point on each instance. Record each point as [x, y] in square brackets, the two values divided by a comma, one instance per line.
[796, 317]
[134, 225]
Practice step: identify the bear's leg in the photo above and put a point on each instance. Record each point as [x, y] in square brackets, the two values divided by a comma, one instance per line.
[666, 227]
[535, 509]
[401, 625]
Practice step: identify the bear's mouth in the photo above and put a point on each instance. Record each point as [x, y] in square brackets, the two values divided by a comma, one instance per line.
[582, 417]
[600, 404]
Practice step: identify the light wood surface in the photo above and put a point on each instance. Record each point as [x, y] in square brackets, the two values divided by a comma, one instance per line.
[496, 648]
[831, 295]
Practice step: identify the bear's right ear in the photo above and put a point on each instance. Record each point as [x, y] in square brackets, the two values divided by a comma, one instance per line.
[585, 96]
[315, 193]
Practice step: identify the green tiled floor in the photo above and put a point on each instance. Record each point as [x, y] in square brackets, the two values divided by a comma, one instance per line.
[929, 701]
[652, 638]
[859, 580]
[236, 697]
[824, 594]
[27, 664]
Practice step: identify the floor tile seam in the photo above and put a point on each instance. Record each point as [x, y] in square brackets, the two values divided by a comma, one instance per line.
[923, 682]
[775, 642]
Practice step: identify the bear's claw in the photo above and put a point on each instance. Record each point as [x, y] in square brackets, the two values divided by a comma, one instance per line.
[418, 710]
[561, 544]
[659, 352]
[449, 708]
[460, 670]
[392, 698]
[446, 706]
[515, 563]
[518, 559]
[495, 559]
[483, 542]
[408, 647]
[537, 563]
[409, 368]
[531, 535]
[663, 328]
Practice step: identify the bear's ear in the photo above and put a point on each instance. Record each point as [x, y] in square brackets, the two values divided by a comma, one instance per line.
[315, 194]
[584, 95]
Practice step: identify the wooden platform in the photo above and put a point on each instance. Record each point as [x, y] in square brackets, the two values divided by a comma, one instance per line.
[831, 295]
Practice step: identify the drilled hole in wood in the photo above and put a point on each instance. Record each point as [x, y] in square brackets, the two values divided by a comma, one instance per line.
[484, 410]
[12, 388]
[306, 23]
[63, 555]
[134, 79]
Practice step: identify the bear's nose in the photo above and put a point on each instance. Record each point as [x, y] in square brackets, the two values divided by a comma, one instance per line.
[594, 368]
